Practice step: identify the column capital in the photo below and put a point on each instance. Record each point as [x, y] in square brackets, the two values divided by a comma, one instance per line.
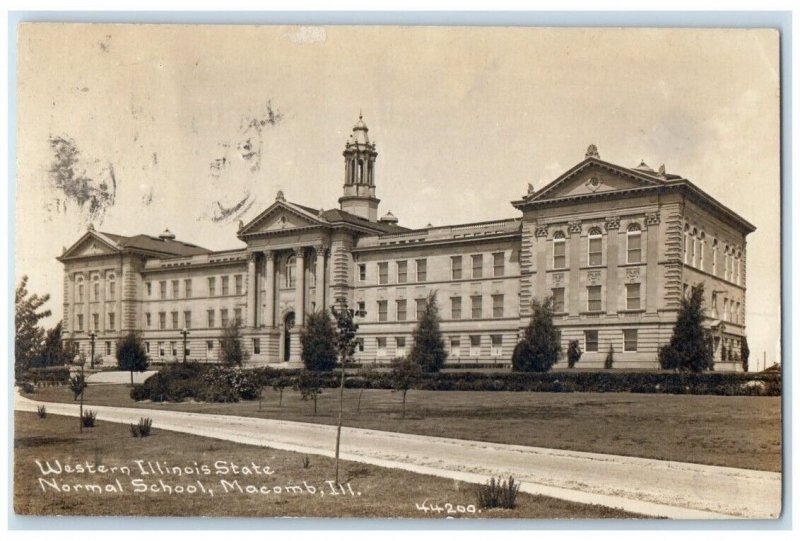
[268, 253]
[320, 249]
[299, 252]
[252, 256]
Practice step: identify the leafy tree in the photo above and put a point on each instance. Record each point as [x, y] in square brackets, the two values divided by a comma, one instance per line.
[745, 354]
[77, 383]
[279, 383]
[688, 347]
[318, 340]
[573, 353]
[366, 371]
[29, 336]
[404, 373]
[308, 385]
[131, 354]
[539, 348]
[428, 349]
[609, 364]
[55, 351]
[346, 341]
[231, 352]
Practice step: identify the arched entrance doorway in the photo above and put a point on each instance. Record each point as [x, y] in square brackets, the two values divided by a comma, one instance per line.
[288, 325]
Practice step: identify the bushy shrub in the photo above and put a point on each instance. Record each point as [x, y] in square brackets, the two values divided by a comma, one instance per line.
[497, 493]
[89, 418]
[142, 428]
[41, 411]
[573, 353]
[609, 362]
[77, 384]
[539, 348]
[27, 387]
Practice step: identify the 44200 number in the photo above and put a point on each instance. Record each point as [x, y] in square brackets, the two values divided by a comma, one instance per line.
[447, 508]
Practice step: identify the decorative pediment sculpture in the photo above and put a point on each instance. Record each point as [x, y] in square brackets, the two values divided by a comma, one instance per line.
[591, 152]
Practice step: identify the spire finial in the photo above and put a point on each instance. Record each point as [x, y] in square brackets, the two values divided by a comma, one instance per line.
[360, 117]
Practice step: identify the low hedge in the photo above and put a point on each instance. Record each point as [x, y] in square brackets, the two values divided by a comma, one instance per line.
[212, 383]
[49, 375]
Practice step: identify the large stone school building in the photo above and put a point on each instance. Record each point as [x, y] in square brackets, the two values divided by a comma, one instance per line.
[615, 246]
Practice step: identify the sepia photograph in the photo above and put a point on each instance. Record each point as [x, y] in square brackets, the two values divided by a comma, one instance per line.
[397, 272]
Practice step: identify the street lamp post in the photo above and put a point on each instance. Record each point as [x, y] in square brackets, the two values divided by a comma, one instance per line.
[185, 333]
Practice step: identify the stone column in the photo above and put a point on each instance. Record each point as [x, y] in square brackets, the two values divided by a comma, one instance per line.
[103, 301]
[575, 244]
[87, 294]
[269, 289]
[251, 290]
[652, 222]
[299, 291]
[612, 292]
[320, 278]
[69, 311]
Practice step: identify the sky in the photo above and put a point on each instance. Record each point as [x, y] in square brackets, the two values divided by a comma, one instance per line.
[138, 128]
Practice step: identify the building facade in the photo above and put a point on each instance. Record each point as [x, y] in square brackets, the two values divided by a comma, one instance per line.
[615, 247]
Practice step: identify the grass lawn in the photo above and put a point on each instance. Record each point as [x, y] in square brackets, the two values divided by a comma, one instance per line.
[376, 492]
[736, 431]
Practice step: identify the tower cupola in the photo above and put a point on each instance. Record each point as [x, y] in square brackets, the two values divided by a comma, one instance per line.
[359, 174]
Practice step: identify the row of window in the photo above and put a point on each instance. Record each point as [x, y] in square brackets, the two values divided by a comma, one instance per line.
[457, 271]
[381, 345]
[694, 247]
[594, 247]
[110, 288]
[401, 308]
[594, 298]
[111, 322]
[174, 288]
[174, 319]
[630, 340]
[173, 348]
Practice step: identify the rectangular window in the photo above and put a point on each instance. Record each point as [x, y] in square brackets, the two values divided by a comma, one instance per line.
[595, 250]
[108, 348]
[455, 346]
[176, 289]
[455, 267]
[95, 322]
[630, 339]
[225, 285]
[237, 315]
[111, 321]
[381, 347]
[422, 270]
[209, 346]
[147, 347]
[477, 266]
[187, 348]
[402, 309]
[362, 308]
[383, 273]
[148, 287]
[161, 349]
[497, 305]
[360, 342]
[383, 310]
[499, 264]
[112, 289]
[455, 307]
[174, 349]
[256, 346]
[211, 321]
[591, 341]
[633, 299]
[420, 308]
[558, 300]
[163, 289]
[497, 345]
[148, 320]
[96, 289]
[477, 306]
[187, 286]
[634, 247]
[80, 322]
[725, 309]
[362, 272]
[223, 317]
[559, 253]
[175, 324]
[162, 320]
[212, 286]
[402, 272]
[595, 303]
[474, 345]
[238, 284]
[400, 346]
[187, 319]
[714, 312]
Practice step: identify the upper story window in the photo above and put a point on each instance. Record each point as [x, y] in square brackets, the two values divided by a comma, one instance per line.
[289, 271]
[401, 309]
[225, 285]
[558, 299]
[402, 272]
[739, 268]
[726, 269]
[383, 272]
[499, 264]
[686, 244]
[212, 286]
[149, 288]
[162, 285]
[112, 286]
[634, 238]
[559, 250]
[176, 289]
[693, 246]
[701, 249]
[187, 286]
[362, 272]
[80, 292]
[238, 284]
[594, 298]
[595, 246]
[477, 266]
[714, 257]
[96, 288]
[383, 310]
[455, 307]
[455, 267]
[312, 272]
[422, 270]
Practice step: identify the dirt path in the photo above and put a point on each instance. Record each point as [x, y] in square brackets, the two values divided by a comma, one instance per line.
[652, 487]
